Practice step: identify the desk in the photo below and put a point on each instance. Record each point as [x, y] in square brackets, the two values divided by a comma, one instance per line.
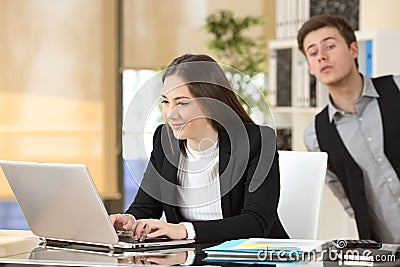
[24, 250]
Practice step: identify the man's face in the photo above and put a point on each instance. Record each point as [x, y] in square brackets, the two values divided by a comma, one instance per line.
[329, 57]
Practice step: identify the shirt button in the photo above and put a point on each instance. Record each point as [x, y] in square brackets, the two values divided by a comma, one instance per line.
[360, 119]
[369, 139]
[379, 159]
[389, 180]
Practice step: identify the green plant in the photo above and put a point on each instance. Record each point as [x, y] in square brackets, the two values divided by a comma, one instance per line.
[234, 47]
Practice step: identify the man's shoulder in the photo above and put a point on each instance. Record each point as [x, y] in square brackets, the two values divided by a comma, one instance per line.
[396, 79]
[310, 137]
[310, 128]
[379, 81]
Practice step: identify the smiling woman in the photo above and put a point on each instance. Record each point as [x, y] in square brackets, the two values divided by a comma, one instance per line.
[213, 171]
[184, 114]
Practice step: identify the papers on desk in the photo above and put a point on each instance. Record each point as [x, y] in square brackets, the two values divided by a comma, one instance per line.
[262, 250]
[14, 242]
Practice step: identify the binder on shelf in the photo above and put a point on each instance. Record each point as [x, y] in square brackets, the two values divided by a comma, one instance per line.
[306, 11]
[290, 81]
[302, 87]
[368, 65]
[305, 86]
[284, 77]
[279, 19]
[365, 57]
[290, 15]
[272, 77]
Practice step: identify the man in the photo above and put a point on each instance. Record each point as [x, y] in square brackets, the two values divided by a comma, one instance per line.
[359, 128]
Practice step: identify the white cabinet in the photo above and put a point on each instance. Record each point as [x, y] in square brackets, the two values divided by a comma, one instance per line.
[296, 97]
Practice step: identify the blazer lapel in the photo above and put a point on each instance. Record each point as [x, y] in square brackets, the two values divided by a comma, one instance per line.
[169, 170]
[233, 157]
[226, 161]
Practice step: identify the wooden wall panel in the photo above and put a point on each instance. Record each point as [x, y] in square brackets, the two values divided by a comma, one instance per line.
[57, 85]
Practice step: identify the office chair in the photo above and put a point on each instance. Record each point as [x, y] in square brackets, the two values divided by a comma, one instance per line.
[302, 185]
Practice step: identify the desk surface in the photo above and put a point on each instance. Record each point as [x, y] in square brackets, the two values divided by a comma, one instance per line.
[21, 248]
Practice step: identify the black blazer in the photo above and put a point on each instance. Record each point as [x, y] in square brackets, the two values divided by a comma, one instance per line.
[249, 182]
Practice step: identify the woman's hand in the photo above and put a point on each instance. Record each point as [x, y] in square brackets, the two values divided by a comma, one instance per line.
[149, 228]
[122, 222]
[169, 259]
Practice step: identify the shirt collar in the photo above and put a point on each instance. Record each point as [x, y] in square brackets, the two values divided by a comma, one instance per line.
[368, 91]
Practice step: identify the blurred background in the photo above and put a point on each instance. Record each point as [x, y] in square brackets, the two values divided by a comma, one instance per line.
[69, 70]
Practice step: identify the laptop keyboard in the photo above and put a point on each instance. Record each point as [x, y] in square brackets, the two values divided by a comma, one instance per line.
[127, 237]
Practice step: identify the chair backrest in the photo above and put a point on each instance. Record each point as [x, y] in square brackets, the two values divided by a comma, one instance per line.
[302, 185]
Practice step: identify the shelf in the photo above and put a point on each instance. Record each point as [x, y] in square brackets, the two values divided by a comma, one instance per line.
[290, 110]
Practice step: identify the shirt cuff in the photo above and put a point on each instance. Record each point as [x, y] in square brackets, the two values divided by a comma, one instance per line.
[191, 233]
[190, 258]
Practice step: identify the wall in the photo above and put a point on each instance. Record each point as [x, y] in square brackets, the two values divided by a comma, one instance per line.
[58, 72]
[58, 86]
[379, 15]
[156, 31]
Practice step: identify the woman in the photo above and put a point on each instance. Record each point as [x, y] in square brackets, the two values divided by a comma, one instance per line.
[212, 170]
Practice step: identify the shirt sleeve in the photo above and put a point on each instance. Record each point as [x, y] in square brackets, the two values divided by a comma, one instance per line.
[311, 143]
[191, 233]
[191, 255]
[397, 81]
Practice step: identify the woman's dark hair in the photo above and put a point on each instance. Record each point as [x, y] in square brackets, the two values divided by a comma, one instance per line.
[205, 78]
[326, 20]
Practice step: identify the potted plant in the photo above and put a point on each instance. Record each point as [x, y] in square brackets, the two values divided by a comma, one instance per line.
[234, 47]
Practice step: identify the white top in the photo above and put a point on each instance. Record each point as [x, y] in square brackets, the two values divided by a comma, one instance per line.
[198, 176]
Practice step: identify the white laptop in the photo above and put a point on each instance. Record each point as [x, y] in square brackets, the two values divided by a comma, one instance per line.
[61, 204]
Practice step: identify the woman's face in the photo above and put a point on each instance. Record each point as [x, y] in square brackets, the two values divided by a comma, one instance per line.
[181, 111]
